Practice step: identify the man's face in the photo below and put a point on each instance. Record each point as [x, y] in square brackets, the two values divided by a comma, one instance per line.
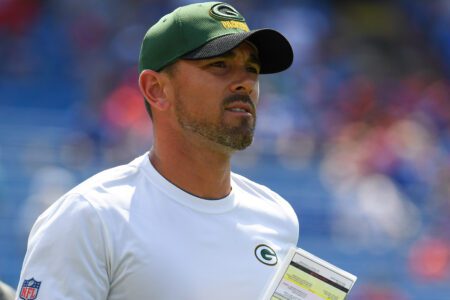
[216, 98]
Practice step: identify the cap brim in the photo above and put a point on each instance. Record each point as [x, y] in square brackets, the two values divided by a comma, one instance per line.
[274, 50]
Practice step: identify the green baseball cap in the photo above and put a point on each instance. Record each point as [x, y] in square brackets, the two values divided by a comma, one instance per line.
[204, 30]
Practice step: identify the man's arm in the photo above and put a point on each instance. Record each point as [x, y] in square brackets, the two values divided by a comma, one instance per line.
[66, 255]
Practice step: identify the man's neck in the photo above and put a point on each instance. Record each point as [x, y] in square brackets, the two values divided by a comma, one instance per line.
[197, 170]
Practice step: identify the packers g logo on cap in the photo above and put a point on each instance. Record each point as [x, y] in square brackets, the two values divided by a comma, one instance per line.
[223, 11]
[228, 16]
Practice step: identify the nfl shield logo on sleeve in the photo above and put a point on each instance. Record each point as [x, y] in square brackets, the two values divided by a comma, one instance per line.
[30, 289]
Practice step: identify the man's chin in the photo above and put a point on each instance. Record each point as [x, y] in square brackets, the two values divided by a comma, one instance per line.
[237, 144]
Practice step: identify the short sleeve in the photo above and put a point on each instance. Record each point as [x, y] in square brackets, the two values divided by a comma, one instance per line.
[66, 255]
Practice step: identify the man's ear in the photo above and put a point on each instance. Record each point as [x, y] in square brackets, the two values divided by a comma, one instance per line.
[151, 84]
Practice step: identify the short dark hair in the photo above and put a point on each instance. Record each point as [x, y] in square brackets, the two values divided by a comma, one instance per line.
[169, 69]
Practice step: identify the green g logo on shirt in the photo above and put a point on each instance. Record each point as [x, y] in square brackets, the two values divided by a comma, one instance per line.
[266, 255]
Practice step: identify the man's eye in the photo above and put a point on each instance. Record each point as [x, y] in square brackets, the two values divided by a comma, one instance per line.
[218, 64]
[253, 69]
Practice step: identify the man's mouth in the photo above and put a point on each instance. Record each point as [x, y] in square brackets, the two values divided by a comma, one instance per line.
[237, 109]
[240, 107]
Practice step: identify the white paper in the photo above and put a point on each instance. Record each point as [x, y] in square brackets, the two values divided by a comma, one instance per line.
[303, 276]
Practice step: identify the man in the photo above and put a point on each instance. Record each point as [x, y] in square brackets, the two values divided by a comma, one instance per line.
[176, 223]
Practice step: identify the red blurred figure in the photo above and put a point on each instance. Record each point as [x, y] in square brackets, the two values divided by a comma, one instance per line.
[17, 15]
[429, 259]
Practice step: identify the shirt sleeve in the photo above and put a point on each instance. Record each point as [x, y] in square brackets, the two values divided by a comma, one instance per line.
[66, 255]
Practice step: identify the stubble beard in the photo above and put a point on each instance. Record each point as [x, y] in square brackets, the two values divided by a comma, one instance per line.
[236, 137]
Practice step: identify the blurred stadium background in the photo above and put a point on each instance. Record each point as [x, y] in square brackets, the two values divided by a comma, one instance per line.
[356, 134]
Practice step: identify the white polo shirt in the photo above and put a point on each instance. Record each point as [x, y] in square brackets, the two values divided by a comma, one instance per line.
[128, 233]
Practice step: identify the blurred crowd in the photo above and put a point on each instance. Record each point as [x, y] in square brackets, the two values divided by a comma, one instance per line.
[367, 103]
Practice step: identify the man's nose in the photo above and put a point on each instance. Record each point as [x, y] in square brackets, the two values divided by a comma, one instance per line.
[244, 84]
